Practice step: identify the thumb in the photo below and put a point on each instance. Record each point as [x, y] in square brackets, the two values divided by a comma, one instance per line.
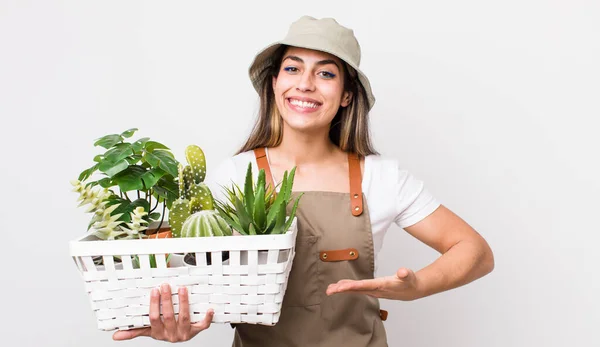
[405, 274]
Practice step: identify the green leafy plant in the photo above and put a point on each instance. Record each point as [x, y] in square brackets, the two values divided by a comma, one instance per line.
[137, 181]
[258, 209]
[193, 213]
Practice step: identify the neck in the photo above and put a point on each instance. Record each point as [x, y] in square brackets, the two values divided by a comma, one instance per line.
[298, 149]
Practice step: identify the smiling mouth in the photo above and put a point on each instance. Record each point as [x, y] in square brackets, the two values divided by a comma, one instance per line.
[303, 104]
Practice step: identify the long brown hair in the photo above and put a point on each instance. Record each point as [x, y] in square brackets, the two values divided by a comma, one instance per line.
[349, 128]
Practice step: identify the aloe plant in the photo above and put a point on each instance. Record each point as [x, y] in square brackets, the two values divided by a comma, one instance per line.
[258, 209]
[193, 213]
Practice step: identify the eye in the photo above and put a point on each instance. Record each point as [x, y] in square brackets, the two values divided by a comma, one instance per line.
[327, 74]
[290, 69]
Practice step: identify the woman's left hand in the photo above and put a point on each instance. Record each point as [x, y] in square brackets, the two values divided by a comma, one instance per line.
[402, 286]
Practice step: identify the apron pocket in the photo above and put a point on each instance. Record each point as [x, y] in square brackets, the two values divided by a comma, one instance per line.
[304, 285]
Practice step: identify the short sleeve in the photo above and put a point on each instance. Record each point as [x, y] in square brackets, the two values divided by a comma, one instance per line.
[413, 201]
[222, 176]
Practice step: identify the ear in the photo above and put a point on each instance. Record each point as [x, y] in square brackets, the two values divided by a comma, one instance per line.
[274, 82]
[346, 99]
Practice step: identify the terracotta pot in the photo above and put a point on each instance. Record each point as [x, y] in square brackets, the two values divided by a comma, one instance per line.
[163, 233]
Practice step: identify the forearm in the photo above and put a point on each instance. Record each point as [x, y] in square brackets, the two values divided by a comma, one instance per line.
[463, 263]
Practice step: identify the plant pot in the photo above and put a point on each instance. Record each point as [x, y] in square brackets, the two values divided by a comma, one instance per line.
[163, 233]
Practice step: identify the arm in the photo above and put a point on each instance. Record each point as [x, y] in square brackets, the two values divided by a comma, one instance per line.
[466, 257]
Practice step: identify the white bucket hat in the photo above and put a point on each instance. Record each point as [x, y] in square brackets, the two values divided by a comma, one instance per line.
[324, 35]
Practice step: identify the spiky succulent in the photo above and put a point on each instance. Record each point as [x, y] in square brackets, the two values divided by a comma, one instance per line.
[258, 209]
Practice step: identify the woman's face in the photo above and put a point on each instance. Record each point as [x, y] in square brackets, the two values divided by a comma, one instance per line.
[309, 89]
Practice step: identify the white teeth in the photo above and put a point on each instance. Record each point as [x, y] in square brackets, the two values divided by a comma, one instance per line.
[303, 103]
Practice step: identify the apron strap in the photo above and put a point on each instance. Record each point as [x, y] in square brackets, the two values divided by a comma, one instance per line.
[356, 198]
[263, 163]
[356, 195]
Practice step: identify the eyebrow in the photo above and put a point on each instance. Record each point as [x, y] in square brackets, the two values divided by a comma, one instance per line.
[320, 62]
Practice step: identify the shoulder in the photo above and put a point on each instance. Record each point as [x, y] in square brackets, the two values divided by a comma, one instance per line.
[381, 168]
[394, 187]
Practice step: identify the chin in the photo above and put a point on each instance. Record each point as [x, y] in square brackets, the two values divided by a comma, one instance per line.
[299, 123]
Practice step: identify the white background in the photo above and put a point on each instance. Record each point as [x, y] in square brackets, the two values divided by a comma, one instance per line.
[494, 105]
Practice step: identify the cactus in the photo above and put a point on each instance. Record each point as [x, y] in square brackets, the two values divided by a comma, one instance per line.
[205, 223]
[194, 194]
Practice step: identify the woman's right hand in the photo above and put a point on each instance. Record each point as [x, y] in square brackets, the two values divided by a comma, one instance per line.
[168, 329]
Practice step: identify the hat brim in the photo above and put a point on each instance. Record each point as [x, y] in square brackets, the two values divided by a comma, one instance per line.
[258, 69]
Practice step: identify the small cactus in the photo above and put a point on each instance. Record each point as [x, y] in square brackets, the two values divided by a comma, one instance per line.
[194, 194]
[205, 223]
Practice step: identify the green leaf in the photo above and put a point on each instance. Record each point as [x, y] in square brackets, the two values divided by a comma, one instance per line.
[119, 152]
[85, 174]
[154, 216]
[112, 168]
[167, 188]
[280, 220]
[139, 202]
[138, 145]
[259, 208]
[163, 160]
[133, 159]
[244, 217]
[293, 214]
[150, 178]
[251, 230]
[289, 183]
[130, 178]
[108, 141]
[98, 158]
[106, 182]
[129, 132]
[248, 190]
[150, 146]
[229, 219]
[279, 200]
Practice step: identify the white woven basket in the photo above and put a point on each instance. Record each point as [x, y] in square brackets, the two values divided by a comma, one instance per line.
[247, 288]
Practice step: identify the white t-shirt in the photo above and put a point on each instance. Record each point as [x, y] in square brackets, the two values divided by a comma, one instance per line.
[393, 195]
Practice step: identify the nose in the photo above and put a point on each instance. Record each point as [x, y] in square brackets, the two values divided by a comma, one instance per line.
[306, 82]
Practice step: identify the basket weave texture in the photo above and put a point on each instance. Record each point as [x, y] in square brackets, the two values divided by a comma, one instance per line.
[247, 288]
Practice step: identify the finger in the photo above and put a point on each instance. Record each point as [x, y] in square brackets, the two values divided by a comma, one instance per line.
[183, 322]
[156, 324]
[405, 274]
[205, 323]
[130, 334]
[167, 310]
[349, 285]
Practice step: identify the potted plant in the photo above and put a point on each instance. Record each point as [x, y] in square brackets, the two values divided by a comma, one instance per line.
[258, 209]
[193, 213]
[136, 185]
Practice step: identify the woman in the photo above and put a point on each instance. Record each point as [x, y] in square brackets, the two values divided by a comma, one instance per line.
[314, 115]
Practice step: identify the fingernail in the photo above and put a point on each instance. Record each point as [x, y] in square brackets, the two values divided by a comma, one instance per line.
[154, 292]
[165, 288]
[182, 291]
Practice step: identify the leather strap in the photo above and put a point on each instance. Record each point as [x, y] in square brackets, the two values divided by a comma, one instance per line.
[356, 200]
[263, 163]
[339, 255]
[383, 314]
